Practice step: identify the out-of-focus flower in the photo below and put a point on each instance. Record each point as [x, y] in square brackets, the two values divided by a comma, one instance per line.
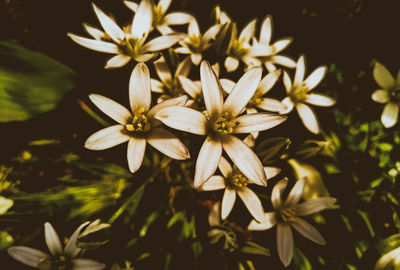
[139, 127]
[220, 121]
[299, 94]
[195, 42]
[161, 20]
[390, 260]
[59, 258]
[5, 204]
[287, 214]
[128, 43]
[388, 94]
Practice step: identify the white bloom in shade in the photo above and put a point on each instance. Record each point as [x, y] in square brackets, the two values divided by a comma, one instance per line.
[390, 260]
[169, 86]
[287, 214]
[139, 127]
[388, 94]
[234, 182]
[272, 58]
[195, 42]
[221, 121]
[161, 20]
[59, 257]
[129, 43]
[299, 94]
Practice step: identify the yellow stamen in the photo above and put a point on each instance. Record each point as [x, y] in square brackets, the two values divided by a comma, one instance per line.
[239, 180]
[288, 214]
[139, 122]
[224, 125]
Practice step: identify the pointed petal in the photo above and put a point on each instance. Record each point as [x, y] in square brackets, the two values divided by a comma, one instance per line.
[225, 167]
[183, 69]
[109, 25]
[95, 45]
[131, 5]
[113, 109]
[107, 138]
[211, 33]
[168, 144]
[177, 18]
[215, 182]
[207, 161]
[243, 91]
[314, 206]
[320, 100]
[257, 122]
[270, 221]
[383, 77]
[227, 85]
[164, 5]
[271, 172]
[71, 249]
[271, 105]
[283, 61]
[94, 32]
[117, 61]
[315, 77]
[227, 202]
[252, 203]
[193, 28]
[380, 96]
[300, 71]
[390, 114]
[268, 82]
[87, 264]
[52, 240]
[162, 70]
[296, 193]
[245, 159]
[308, 231]
[282, 44]
[29, 256]
[162, 42]
[164, 29]
[308, 118]
[288, 104]
[284, 243]
[211, 90]
[156, 86]
[266, 30]
[179, 101]
[287, 82]
[248, 31]
[142, 20]
[139, 87]
[135, 154]
[183, 118]
[276, 196]
[190, 87]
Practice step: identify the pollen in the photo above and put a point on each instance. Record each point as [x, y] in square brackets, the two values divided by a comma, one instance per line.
[139, 122]
[300, 94]
[288, 214]
[239, 180]
[224, 125]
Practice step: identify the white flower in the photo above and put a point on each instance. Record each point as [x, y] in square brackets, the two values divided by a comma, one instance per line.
[234, 182]
[220, 121]
[195, 43]
[390, 260]
[161, 20]
[287, 215]
[129, 43]
[139, 127]
[59, 257]
[299, 93]
[388, 94]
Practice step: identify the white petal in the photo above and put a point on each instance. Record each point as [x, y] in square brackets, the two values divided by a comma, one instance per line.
[390, 114]
[316, 77]
[245, 159]
[29, 256]
[268, 81]
[113, 109]
[71, 249]
[288, 104]
[190, 87]
[107, 138]
[227, 85]
[144, 57]
[252, 203]
[109, 25]
[266, 30]
[320, 100]
[231, 64]
[52, 240]
[296, 193]
[183, 69]
[164, 5]
[193, 28]
[250, 140]
[183, 118]
[135, 153]
[300, 71]
[277, 193]
[271, 105]
[248, 32]
[215, 182]
[271, 172]
[227, 202]
[380, 96]
[287, 82]
[183, 50]
[243, 92]
[388, 260]
[314, 206]
[117, 61]
[282, 44]
[212, 93]
[156, 86]
[225, 167]
[257, 122]
[162, 70]
[139, 88]
[211, 33]
[383, 77]
[95, 45]
[207, 161]
[308, 231]
[164, 29]
[87, 264]
[270, 221]
[94, 32]
[143, 19]
[308, 118]
[168, 144]
[196, 58]
[283, 61]
[131, 5]
[284, 243]
[177, 18]
[180, 101]
[162, 42]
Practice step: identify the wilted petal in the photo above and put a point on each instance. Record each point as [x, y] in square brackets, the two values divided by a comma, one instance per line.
[390, 114]
[320, 100]
[231, 64]
[266, 30]
[268, 82]
[95, 45]
[131, 5]
[117, 61]
[215, 182]
[270, 221]
[248, 32]
[113, 109]
[383, 77]
[257, 122]
[162, 42]
[314, 206]
[142, 20]
[228, 200]
[271, 105]
[52, 240]
[308, 118]
[94, 32]
[212, 93]
[168, 144]
[29, 256]
[87, 264]
[135, 153]
[190, 87]
[177, 18]
[107, 138]
[316, 77]
[162, 69]
[109, 25]
[308, 231]
[277, 193]
[183, 69]
[283, 61]
[300, 71]
[71, 249]
[284, 243]
[207, 160]
[288, 104]
[139, 87]
[271, 172]
[245, 159]
[296, 193]
[225, 167]
[252, 203]
[380, 96]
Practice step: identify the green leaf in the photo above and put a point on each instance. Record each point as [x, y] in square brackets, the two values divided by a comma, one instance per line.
[254, 248]
[30, 82]
[300, 260]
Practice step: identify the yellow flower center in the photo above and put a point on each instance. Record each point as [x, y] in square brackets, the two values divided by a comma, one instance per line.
[139, 122]
[224, 125]
[238, 50]
[239, 180]
[157, 16]
[288, 214]
[300, 94]
[173, 87]
[194, 43]
[131, 46]
[256, 99]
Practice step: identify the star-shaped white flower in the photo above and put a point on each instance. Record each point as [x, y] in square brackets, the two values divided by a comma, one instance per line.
[287, 214]
[161, 20]
[389, 94]
[220, 121]
[129, 43]
[139, 127]
[299, 94]
[59, 257]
